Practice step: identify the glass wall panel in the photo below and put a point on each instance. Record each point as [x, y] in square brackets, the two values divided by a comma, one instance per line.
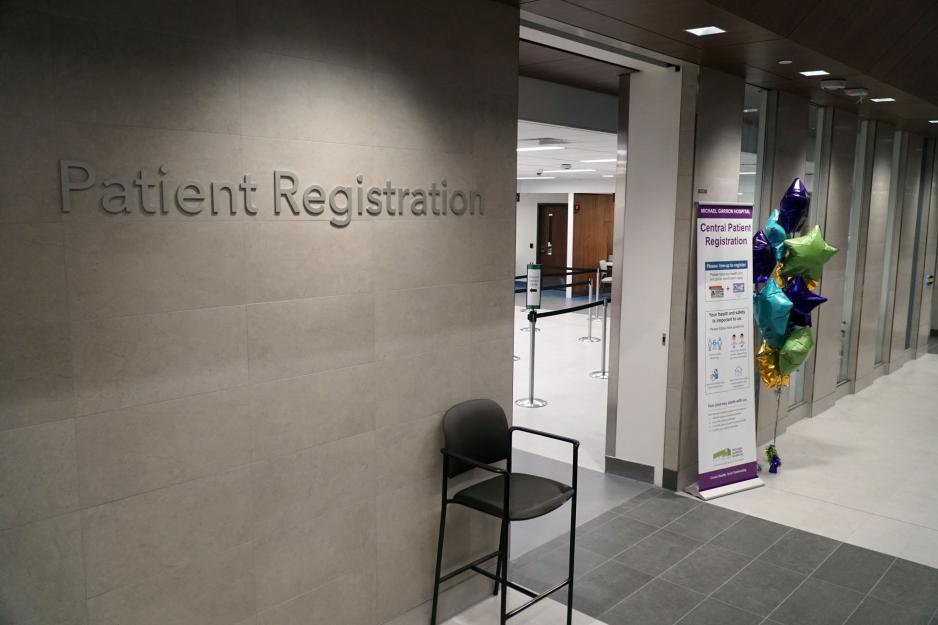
[816, 120]
[853, 246]
[918, 160]
[894, 144]
[753, 140]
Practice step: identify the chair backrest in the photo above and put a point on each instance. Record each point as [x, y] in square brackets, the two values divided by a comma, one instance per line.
[477, 429]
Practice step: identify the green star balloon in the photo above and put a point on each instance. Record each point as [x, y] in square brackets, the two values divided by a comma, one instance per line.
[807, 254]
[795, 350]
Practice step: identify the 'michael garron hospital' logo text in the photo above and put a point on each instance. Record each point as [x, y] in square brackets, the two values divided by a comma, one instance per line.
[151, 194]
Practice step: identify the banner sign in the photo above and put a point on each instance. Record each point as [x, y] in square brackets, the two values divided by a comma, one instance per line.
[726, 432]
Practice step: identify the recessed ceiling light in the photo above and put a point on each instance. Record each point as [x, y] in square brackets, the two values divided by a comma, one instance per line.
[534, 178]
[747, 173]
[882, 99]
[933, 121]
[608, 176]
[567, 171]
[600, 160]
[703, 31]
[784, 62]
[750, 110]
[814, 72]
[540, 148]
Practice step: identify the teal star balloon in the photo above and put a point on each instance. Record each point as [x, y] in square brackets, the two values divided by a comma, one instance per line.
[772, 308]
[807, 254]
[776, 235]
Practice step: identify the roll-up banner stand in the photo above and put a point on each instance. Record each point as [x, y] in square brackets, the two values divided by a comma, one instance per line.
[533, 294]
[726, 418]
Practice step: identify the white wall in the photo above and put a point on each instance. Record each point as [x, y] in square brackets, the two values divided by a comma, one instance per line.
[526, 226]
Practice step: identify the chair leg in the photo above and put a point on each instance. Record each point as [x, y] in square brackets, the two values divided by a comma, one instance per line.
[439, 566]
[498, 565]
[571, 562]
[503, 548]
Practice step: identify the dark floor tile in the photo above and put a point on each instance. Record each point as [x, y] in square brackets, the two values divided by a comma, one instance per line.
[641, 498]
[760, 587]
[614, 536]
[854, 567]
[552, 568]
[659, 511]
[658, 603]
[706, 569]
[911, 585]
[704, 522]
[713, 612]
[875, 612]
[817, 603]
[751, 536]
[800, 551]
[602, 588]
[658, 552]
[595, 522]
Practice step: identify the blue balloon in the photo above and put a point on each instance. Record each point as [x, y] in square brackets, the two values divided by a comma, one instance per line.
[772, 308]
[776, 235]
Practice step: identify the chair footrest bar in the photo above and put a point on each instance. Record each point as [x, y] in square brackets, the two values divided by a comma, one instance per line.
[509, 583]
[472, 565]
[528, 604]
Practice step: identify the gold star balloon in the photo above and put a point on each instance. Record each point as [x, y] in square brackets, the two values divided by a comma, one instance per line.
[767, 362]
[807, 254]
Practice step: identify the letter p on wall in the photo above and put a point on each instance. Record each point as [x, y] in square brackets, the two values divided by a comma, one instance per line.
[67, 183]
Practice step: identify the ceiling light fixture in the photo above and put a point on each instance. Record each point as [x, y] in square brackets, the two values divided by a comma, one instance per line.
[540, 148]
[534, 178]
[747, 173]
[814, 72]
[933, 121]
[703, 31]
[750, 110]
[608, 176]
[600, 160]
[882, 99]
[567, 171]
[784, 62]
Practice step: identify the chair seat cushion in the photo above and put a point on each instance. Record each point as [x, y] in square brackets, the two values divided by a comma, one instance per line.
[531, 496]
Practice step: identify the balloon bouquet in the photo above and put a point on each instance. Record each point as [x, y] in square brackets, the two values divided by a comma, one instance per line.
[788, 264]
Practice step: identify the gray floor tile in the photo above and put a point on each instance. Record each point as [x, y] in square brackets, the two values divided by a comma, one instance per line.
[713, 612]
[817, 603]
[706, 569]
[911, 585]
[800, 551]
[592, 524]
[854, 567]
[658, 552]
[760, 587]
[614, 536]
[658, 603]
[875, 612]
[641, 498]
[602, 588]
[751, 536]
[704, 522]
[660, 511]
[551, 568]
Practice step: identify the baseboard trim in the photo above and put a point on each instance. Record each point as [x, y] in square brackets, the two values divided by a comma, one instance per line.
[631, 470]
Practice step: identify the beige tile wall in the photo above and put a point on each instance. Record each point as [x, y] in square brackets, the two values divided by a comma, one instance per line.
[233, 420]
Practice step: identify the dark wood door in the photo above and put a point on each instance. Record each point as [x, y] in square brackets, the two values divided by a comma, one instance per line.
[592, 231]
[552, 242]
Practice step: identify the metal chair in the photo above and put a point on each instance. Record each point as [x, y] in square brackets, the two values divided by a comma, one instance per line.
[476, 434]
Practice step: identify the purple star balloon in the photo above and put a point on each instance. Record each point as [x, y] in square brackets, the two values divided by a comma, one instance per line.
[763, 258]
[793, 209]
[803, 301]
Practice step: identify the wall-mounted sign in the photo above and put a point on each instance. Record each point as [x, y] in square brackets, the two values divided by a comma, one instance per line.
[726, 418]
[150, 193]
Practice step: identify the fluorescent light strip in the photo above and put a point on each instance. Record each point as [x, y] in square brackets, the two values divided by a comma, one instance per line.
[933, 121]
[882, 99]
[747, 173]
[534, 178]
[608, 176]
[600, 160]
[567, 171]
[703, 31]
[814, 72]
[540, 148]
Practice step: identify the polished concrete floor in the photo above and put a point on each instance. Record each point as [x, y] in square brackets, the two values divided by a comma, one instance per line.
[576, 402]
[665, 559]
[864, 471]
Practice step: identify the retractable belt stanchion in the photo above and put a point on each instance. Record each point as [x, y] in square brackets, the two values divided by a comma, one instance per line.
[589, 338]
[531, 401]
[602, 374]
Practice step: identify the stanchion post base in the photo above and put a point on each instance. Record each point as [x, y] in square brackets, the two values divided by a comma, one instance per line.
[599, 375]
[516, 358]
[526, 402]
[588, 339]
